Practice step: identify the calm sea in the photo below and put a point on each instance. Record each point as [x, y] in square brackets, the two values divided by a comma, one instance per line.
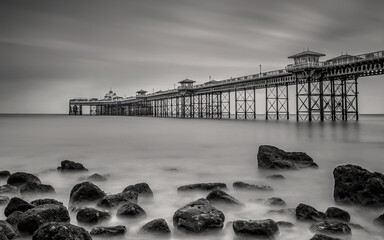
[138, 149]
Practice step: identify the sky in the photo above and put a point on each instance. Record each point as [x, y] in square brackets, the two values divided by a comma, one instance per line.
[52, 51]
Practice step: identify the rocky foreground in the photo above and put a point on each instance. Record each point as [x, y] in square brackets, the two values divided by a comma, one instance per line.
[48, 219]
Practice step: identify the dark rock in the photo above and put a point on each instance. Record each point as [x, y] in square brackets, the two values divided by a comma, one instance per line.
[285, 211]
[109, 231]
[275, 201]
[7, 230]
[33, 188]
[354, 184]
[4, 200]
[14, 218]
[331, 227]
[4, 174]
[39, 202]
[97, 178]
[17, 204]
[20, 178]
[68, 165]
[33, 218]
[198, 216]
[305, 212]
[202, 187]
[142, 189]
[270, 157]
[379, 221]
[3, 236]
[158, 227]
[285, 224]
[356, 226]
[91, 216]
[246, 186]
[116, 200]
[256, 228]
[60, 231]
[8, 189]
[130, 210]
[85, 192]
[221, 197]
[338, 214]
[276, 177]
[323, 237]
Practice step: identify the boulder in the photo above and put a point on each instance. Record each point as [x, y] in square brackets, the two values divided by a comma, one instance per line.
[157, 227]
[38, 202]
[14, 218]
[116, 200]
[221, 197]
[108, 231]
[379, 221]
[270, 157]
[337, 214]
[285, 224]
[7, 188]
[33, 218]
[331, 227]
[17, 204]
[4, 174]
[198, 216]
[20, 178]
[60, 231]
[7, 230]
[256, 228]
[130, 210]
[308, 213]
[276, 177]
[4, 200]
[68, 165]
[3, 236]
[91, 216]
[275, 201]
[96, 178]
[323, 237]
[142, 189]
[33, 188]
[354, 184]
[246, 186]
[85, 192]
[202, 187]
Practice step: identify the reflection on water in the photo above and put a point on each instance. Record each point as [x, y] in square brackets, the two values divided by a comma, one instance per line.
[167, 153]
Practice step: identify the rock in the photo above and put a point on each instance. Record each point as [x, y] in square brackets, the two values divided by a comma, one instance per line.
[109, 231]
[8, 189]
[85, 192]
[157, 227]
[33, 218]
[275, 201]
[17, 204]
[33, 188]
[323, 237]
[116, 200]
[270, 157]
[14, 218]
[305, 212]
[285, 211]
[3, 236]
[91, 216]
[221, 197]
[337, 214]
[142, 189]
[4, 174]
[276, 177]
[4, 200]
[202, 187]
[7, 230]
[130, 210]
[68, 165]
[331, 227]
[38, 202]
[285, 224]
[256, 228]
[379, 221]
[96, 178]
[354, 184]
[20, 178]
[198, 216]
[246, 186]
[60, 231]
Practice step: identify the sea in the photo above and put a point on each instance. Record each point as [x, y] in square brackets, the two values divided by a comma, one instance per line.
[167, 153]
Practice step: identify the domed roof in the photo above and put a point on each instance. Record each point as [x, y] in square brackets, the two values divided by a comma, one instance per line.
[110, 95]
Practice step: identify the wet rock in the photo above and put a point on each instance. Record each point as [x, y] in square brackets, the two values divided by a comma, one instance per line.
[221, 197]
[256, 228]
[356, 226]
[323, 237]
[285, 211]
[116, 200]
[354, 184]
[157, 227]
[33, 218]
[130, 210]
[39, 202]
[85, 192]
[10, 189]
[202, 187]
[379, 221]
[331, 227]
[4, 174]
[276, 177]
[285, 224]
[109, 231]
[68, 165]
[3, 236]
[4, 200]
[17, 204]
[20, 178]
[306, 212]
[60, 231]
[246, 186]
[7, 230]
[33, 188]
[275, 201]
[14, 218]
[337, 214]
[270, 157]
[91, 216]
[96, 178]
[142, 189]
[198, 216]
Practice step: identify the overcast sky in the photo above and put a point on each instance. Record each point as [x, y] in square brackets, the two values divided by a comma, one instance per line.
[51, 51]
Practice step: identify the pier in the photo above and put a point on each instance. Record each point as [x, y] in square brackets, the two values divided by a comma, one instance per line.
[325, 91]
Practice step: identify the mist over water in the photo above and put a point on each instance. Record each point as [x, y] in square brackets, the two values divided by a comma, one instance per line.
[167, 153]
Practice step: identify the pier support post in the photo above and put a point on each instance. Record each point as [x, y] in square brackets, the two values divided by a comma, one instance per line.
[226, 104]
[277, 105]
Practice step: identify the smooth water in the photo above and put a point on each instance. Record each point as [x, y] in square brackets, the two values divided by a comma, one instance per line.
[139, 149]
